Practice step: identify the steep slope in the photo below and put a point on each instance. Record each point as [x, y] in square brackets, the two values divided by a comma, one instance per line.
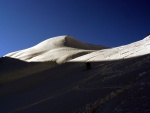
[135, 49]
[12, 69]
[51, 49]
[117, 83]
[107, 88]
[42, 56]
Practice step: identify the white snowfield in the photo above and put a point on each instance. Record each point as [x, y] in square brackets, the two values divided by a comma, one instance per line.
[135, 49]
[59, 49]
[65, 48]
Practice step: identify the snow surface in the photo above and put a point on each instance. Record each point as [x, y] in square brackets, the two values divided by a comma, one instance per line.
[109, 87]
[135, 49]
[66, 48]
[59, 49]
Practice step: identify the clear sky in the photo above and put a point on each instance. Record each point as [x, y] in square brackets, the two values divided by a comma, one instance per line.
[24, 23]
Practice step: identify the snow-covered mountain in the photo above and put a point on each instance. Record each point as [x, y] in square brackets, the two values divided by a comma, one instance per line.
[118, 81]
[134, 49]
[43, 56]
[59, 49]
[65, 48]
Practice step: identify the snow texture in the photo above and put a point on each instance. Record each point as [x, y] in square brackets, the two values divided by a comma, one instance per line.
[59, 49]
[135, 49]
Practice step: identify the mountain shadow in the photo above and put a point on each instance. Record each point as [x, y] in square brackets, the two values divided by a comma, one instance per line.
[107, 87]
[12, 69]
[9, 64]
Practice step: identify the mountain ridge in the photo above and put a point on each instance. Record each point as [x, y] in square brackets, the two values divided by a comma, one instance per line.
[134, 49]
[43, 50]
[114, 84]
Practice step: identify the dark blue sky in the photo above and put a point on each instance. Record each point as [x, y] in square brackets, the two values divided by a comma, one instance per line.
[24, 23]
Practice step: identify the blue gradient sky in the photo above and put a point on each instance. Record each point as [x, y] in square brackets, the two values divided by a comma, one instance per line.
[24, 23]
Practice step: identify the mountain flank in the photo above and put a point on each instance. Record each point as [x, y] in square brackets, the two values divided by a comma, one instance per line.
[51, 77]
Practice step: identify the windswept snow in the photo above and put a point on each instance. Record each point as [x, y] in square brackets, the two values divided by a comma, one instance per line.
[59, 49]
[65, 48]
[135, 49]
[112, 86]
[43, 56]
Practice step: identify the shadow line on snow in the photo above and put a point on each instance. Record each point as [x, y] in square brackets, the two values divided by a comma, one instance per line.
[100, 80]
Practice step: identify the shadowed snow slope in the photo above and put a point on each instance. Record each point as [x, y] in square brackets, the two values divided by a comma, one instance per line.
[120, 86]
[42, 56]
[118, 81]
[135, 49]
[59, 49]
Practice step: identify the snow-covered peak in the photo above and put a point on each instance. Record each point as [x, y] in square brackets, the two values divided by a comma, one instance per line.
[146, 38]
[59, 49]
[65, 41]
[64, 48]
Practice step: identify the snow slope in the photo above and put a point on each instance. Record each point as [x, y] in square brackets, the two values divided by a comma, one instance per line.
[109, 87]
[59, 49]
[120, 84]
[135, 49]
